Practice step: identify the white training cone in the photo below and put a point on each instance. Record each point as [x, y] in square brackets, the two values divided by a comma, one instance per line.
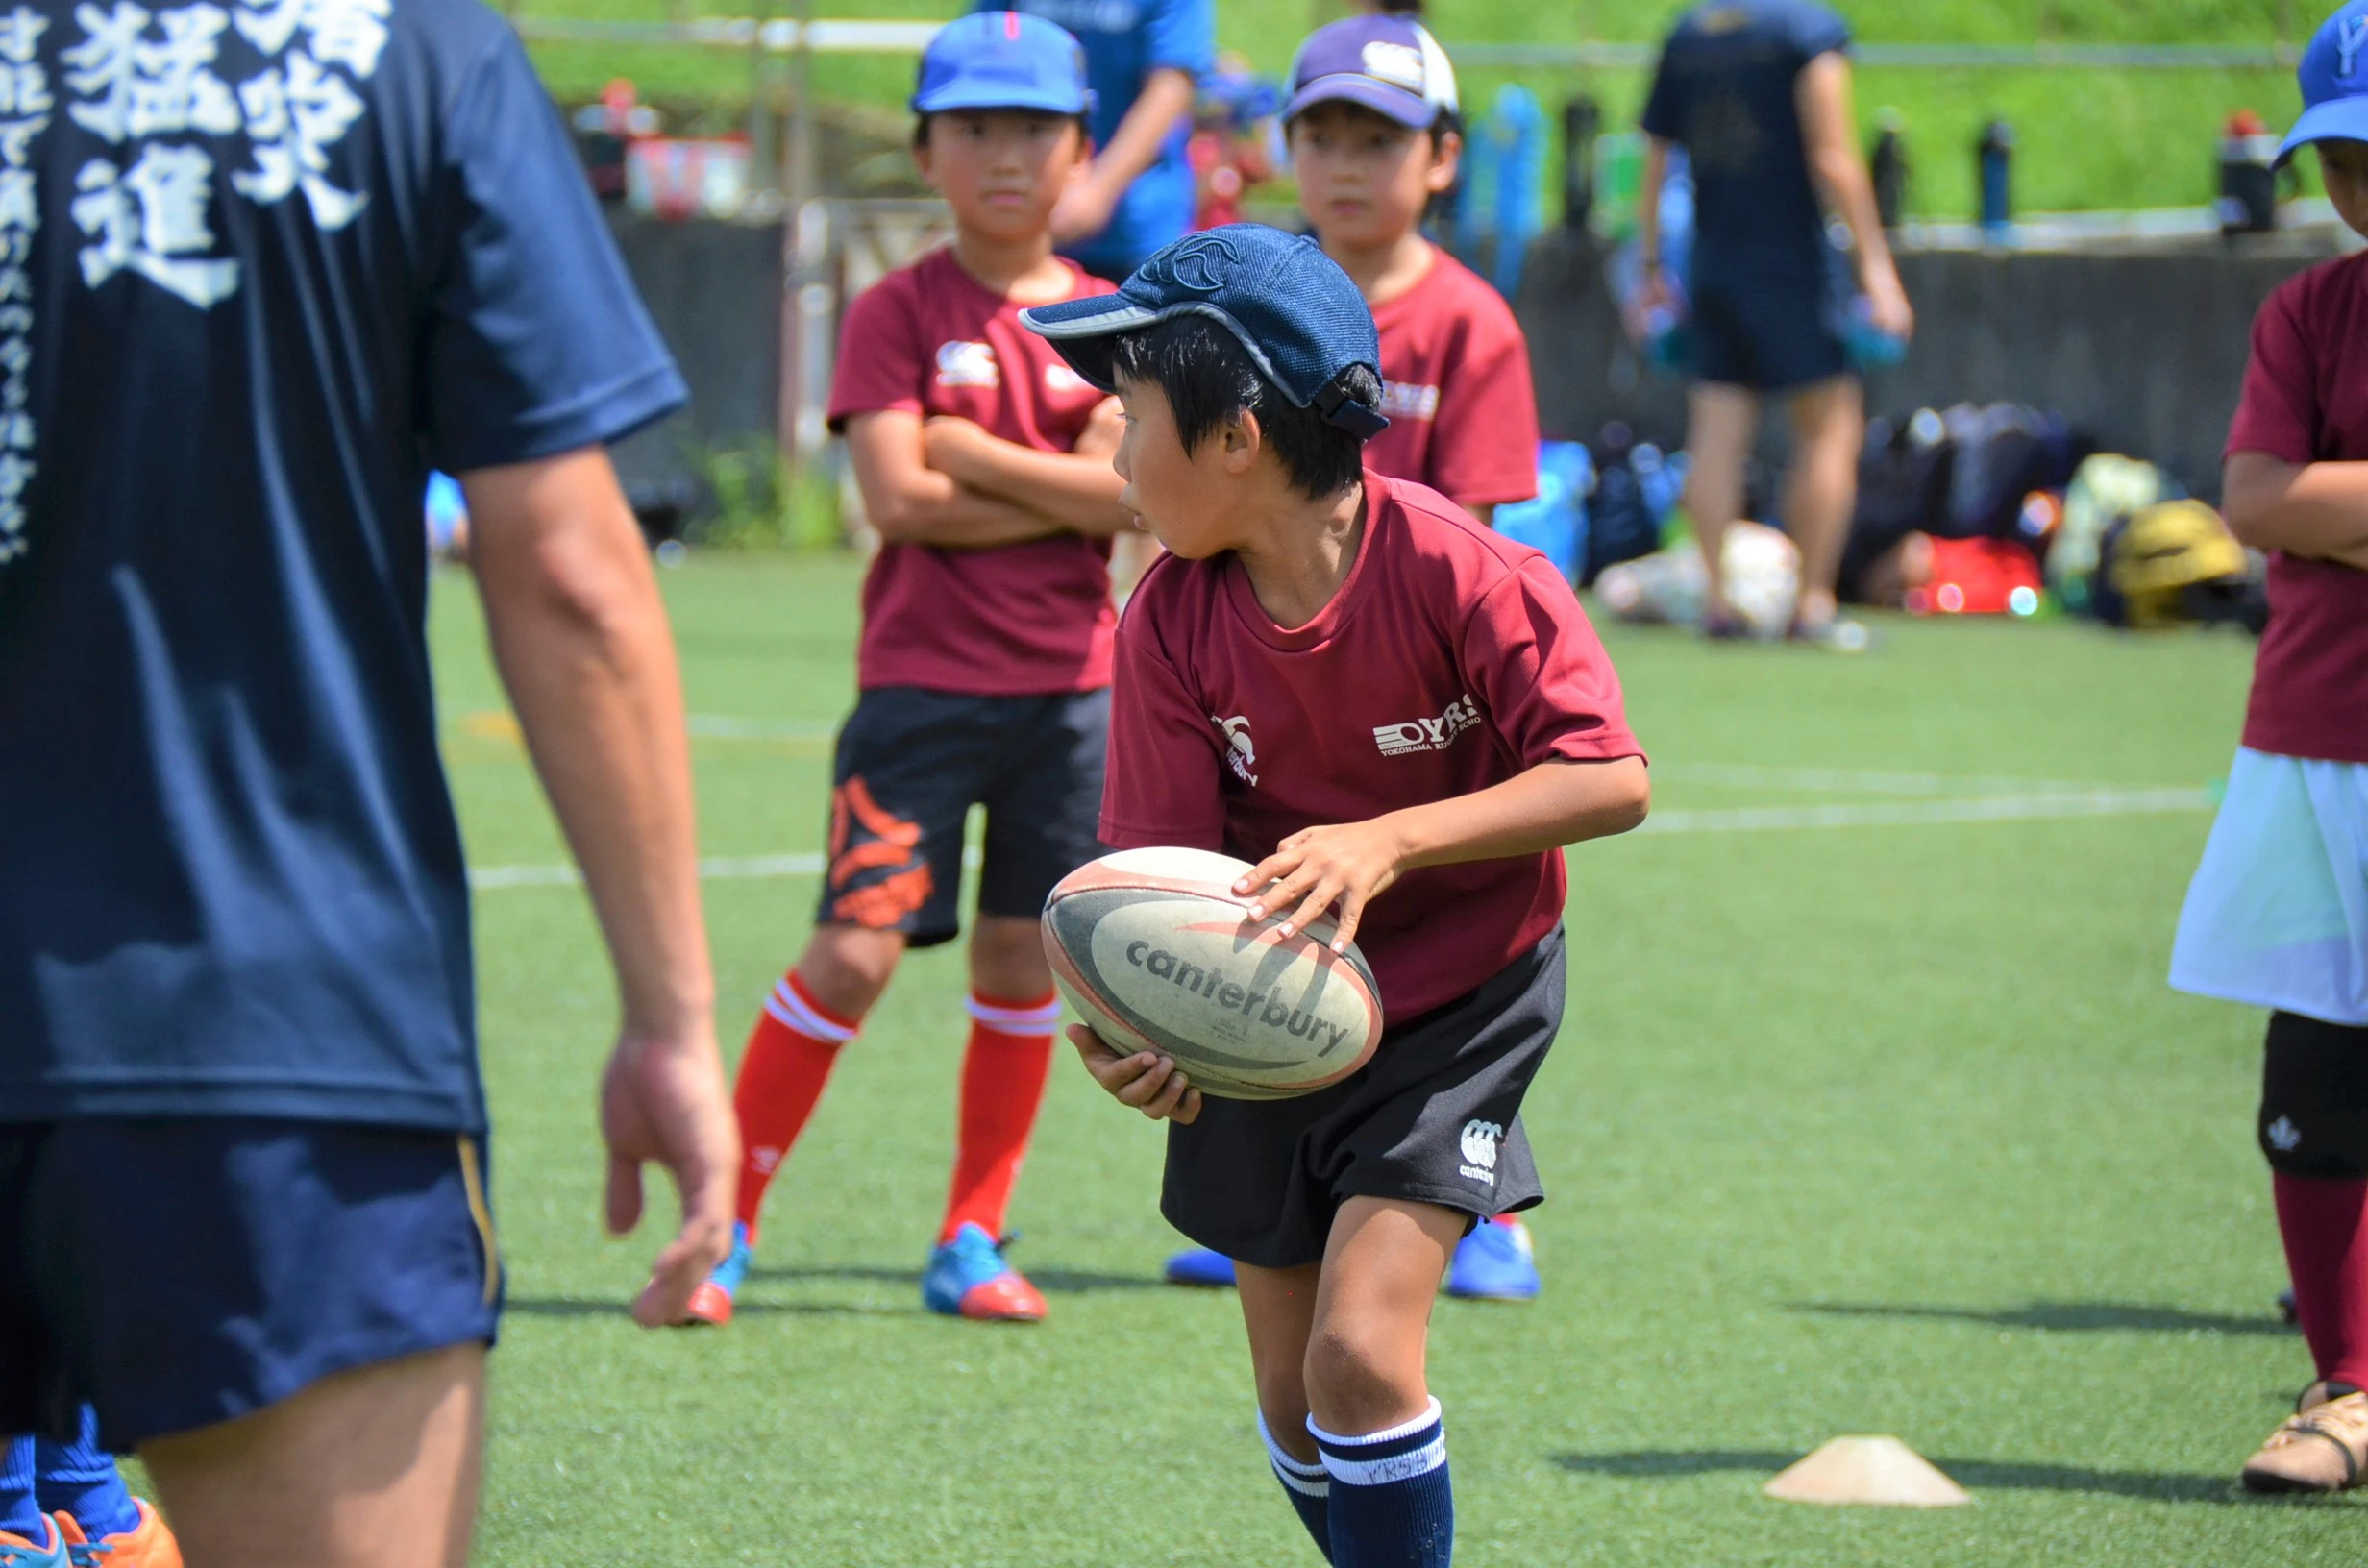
[1869, 1470]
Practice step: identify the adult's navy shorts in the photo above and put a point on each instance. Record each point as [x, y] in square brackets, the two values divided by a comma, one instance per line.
[912, 762]
[174, 1274]
[1435, 1118]
[1766, 337]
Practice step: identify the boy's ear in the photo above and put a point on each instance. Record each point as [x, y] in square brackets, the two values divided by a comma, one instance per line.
[1243, 440]
[1446, 151]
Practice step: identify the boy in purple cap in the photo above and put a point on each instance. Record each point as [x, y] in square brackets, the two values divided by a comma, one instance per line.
[985, 657]
[2277, 914]
[1374, 128]
[1391, 711]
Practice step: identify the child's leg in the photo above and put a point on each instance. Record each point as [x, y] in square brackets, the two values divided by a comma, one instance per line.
[2315, 1102]
[79, 1479]
[21, 1514]
[1013, 1012]
[1278, 1307]
[1372, 1412]
[813, 1012]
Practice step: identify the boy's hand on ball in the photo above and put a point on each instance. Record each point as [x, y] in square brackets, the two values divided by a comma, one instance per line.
[1151, 1083]
[1349, 865]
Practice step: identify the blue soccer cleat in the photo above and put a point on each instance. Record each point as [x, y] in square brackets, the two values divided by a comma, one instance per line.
[1494, 1263]
[1199, 1265]
[969, 1278]
[711, 1303]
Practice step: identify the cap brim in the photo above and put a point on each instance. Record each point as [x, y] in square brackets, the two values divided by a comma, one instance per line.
[1083, 330]
[987, 95]
[2338, 119]
[1407, 109]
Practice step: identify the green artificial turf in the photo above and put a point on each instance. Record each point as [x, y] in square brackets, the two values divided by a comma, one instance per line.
[1867, 1128]
[2088, 138]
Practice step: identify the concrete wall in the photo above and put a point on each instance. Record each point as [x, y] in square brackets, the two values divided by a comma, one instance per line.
[2143, 351]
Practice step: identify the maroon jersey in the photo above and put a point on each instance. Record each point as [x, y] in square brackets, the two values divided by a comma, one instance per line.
[1035, 617]
[1456, 385]
[2306, 401]
[1452, 660]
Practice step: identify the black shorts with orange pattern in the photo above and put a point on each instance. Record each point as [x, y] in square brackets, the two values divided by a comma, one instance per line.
[910, 765]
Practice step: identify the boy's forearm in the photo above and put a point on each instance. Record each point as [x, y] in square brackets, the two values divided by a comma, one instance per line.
[1830, 131]
[581, 641]
[1079, 492]
[1553, 805]
[2313, 509]
[1648, 201]
[1166, 96]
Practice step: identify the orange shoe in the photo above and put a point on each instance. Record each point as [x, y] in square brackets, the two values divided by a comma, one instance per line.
[16, 1552]
[151, 1546]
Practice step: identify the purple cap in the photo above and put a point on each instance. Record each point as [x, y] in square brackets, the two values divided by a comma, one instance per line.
[1391, 64]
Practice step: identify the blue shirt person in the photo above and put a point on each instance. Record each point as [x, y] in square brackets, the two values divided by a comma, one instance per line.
[1143, 60]
[261, 266]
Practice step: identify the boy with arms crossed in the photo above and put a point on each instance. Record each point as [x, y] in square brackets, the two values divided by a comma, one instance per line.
[2277, 914]
[985, 659]
[1318, 612]
[1372, 123]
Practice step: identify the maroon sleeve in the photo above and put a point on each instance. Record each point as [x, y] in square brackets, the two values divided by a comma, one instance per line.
[1161, 786]
[881, 364]
[1541, 673]
[2278, 412]
[1484, 441]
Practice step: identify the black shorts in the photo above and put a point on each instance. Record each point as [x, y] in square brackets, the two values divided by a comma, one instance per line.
[174, 1274]
[911, 763]
[1768, 339]
[1434, 1119]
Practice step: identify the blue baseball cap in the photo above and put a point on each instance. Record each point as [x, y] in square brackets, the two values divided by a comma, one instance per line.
[2334, 83]
[1299, 316]
[1391, 64]
[1003, 60]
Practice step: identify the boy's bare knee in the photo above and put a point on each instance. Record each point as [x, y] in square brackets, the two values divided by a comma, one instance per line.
[1358, 1381]
[847, 966]
[1007, 959]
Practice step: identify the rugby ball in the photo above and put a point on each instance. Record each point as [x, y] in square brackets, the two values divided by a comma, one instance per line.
[1155, 950]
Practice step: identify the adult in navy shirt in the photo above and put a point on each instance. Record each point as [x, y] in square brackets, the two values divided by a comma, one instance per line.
[1144, 59]
[262, 266]
[1758, 93]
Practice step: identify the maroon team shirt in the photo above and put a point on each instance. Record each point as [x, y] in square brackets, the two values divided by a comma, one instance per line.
[1023, 619]
[1456, 386]
[1452, 659]
[2306, 401]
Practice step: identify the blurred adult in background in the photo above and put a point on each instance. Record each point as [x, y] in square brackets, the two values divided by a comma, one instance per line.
[244, 1182]
[1145, 59]
[1758, 93]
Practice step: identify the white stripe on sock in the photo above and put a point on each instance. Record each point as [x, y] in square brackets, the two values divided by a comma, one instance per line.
[1351, 1471]
[1018, 1020]
[1306, 1480]
[789, 1007]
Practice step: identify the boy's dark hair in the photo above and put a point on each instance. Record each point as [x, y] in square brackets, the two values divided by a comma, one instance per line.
[1446, 122]
[921, 122]
[1209, 379]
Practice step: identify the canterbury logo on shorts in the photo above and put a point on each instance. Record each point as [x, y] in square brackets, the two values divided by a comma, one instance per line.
[877, 873]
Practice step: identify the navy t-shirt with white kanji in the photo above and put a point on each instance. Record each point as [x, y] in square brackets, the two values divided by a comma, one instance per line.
[1726, 92]
[262, 265]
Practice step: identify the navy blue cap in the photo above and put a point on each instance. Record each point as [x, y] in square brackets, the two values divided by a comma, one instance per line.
[2334, 83]
[1003, 60]
[1391, 64]
[1297, 315]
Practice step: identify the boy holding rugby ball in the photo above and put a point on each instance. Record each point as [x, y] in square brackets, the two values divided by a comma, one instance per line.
[1310, 614]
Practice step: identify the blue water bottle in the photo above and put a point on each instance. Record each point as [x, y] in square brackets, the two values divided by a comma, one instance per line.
[1995, 155]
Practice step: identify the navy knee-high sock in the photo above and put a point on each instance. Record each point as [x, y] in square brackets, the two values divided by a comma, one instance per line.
[1309, 1486]
[1391, 1505]
[20, 1515]
[79, 1477]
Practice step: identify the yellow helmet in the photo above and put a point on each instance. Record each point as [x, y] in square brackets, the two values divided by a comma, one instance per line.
[2167, 550]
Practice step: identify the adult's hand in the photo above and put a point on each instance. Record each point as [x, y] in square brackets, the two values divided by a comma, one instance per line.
[662, 1103]
[1888, 307]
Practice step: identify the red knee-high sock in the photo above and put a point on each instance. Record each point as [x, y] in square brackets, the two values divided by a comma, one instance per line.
[1002, 1085]
[789, 1057]
[2325, 1225]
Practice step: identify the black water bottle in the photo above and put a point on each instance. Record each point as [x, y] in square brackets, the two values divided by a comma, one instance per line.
[1888, 164]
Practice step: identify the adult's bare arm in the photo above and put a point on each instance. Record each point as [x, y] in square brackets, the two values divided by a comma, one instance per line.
[1829, 134]
[1085, 207]
[909, 502]
[583, 646]
[2313, 509]
[1076, 489]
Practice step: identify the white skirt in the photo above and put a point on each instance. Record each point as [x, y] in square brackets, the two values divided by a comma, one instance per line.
[2278, 913]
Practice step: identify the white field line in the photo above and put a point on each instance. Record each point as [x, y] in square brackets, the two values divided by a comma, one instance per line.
[2036, 806]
